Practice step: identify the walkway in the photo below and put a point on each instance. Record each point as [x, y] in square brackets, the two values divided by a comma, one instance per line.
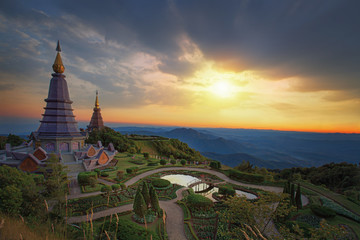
[174, 216]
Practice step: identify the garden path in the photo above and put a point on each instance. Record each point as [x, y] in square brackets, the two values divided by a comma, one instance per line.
[174, 216]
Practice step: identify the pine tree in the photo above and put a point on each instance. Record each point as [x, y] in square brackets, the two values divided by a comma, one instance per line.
[145, 193]
[154, 199]
[298, 198]
[139, 204]
[292, 194]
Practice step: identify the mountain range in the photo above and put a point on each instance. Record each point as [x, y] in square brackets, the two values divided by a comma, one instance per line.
[263, 148]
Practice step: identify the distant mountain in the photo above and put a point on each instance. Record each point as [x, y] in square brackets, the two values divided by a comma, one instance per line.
[232, 160]
[268, 148]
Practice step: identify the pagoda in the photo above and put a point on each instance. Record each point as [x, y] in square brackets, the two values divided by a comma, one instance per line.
[96, 119]
[58, 130]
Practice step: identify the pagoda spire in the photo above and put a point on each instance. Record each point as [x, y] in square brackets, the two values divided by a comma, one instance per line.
[96, 119]
[97, 100]
[58, 65]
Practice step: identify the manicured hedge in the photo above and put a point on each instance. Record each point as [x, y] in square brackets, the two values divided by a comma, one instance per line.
[198, 201]
[215, 164]
[104, 174]
[248, 177]
[84, 178]
[322, 211]
[129, 230]
[160, 183]
[227, 190]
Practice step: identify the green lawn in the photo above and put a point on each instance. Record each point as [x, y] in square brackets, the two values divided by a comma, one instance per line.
[340, 199]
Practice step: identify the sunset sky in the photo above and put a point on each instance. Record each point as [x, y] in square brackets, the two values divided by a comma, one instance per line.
[287, 65]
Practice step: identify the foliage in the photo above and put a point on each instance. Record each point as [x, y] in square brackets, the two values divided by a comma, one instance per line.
[152, 163]
[139, 204]
[56, 184]
[245, 166]
[196, 201]
[108, 135]
[163, 162]
[154, 200]
[339, 209]
[177, 149]
[126, 229]
[160, 183]
[104, 174]
[183, 162]
[145, 193]
[215, 164]
[298, 201]
[335, 176]
[115, 187]
[243, 176]
[226, 190]
[146, 155]
[11, 200]
[106, 189]
[87, 178]
[327, 231]
[322, 211]
[120, 174]
[173, 161]
[14, 140]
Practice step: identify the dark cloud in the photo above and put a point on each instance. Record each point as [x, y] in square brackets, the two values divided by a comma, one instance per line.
[316, 41]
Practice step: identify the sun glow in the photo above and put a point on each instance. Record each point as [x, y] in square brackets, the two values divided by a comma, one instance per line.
[222, 89]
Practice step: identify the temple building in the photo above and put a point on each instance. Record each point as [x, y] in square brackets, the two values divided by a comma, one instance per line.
[96, 119]
[59, 134]
[58, 130]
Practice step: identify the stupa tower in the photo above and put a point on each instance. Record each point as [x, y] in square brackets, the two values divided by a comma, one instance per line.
[58, 131]
[96, 119]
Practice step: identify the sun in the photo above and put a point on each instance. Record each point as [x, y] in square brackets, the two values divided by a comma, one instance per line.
[222, 89]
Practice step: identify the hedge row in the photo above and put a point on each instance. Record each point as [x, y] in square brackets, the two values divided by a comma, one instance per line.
[248, 177]
[160, 183]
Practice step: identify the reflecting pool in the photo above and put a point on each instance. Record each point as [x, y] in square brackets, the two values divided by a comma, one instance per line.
[185, 180]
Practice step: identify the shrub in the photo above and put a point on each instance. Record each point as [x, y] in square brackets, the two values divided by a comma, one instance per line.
[163, 162]
[115, 187]
[104, 174]
[199, 202]
[97, 171]
[106, 189]
[226, 190]
[146, 155]
[122, 186]
[160, 183]
[322, 211]
[152, 163]
[129, 171]
[120, 174]
[84, 178]
[183, 162]
[173, 161]
[215, 164]
[248, 177]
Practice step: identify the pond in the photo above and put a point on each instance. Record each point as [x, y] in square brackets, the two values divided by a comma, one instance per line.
[185, 180]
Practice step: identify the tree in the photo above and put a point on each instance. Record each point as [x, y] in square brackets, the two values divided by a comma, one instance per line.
[56, 178]
[154, 199]
[107, 190]
[139, 204]
[183, 162]
[292, 194]
[11, 200]
[115, 187]
[145, 194]
[298, 198]
[14, 140]
[173, 161]
[146, 155]
[120, 174]
[163, 162]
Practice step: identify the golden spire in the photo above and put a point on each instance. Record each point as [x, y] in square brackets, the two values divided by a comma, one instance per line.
[97, 100]
[58, 66]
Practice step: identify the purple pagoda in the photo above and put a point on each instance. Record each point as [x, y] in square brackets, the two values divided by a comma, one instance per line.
[58, 131]
[96, 119]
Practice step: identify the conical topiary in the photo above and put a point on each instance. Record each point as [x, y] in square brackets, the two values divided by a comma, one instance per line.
[145, 193]
[139, 204]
